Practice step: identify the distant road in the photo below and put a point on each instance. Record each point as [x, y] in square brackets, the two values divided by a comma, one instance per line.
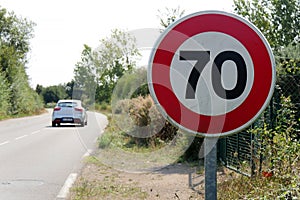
[37, 159]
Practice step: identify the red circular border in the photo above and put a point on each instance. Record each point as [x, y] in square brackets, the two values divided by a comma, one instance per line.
[160, 73]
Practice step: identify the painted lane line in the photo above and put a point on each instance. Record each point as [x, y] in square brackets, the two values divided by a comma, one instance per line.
[3, 143]
[87, 153]
[23, 136]
[63, 193]
[35, 132]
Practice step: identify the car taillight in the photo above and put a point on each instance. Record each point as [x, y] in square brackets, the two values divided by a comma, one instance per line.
[79, 109]
[57, 108]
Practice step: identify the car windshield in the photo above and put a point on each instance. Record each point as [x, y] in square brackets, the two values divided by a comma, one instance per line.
[67, 104]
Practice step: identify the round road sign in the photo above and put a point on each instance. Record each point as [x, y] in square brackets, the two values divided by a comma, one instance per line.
[211, 73]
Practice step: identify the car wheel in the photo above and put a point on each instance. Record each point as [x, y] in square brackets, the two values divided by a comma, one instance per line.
[53, 124]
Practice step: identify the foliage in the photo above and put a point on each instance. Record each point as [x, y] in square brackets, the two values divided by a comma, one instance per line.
[168, 16]
[15, 34]
[256, 188]
[24, 100]
[288, 78]
[280, 149]
[280, 144]
[288, 60]
[145, 125]
[85, 82]
[136, 123]
[4, 97]
[53, 93]
[100, 69]
[17, 97]
[278, 20]
[279, 176]
[69, 88]
[115, 56]
[132, 84]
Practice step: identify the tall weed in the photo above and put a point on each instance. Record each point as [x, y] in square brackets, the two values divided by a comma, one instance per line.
[279, 177]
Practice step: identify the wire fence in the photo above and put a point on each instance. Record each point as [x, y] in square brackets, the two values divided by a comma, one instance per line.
[288, 86]
[239, 151]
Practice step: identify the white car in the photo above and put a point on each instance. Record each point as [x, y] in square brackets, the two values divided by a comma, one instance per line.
[69, 111]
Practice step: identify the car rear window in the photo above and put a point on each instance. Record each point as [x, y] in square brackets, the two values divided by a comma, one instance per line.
[67, 104]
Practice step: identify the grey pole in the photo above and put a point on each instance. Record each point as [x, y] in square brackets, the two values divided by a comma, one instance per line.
[210, 164]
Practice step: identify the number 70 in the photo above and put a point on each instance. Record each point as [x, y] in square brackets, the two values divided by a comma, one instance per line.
[202, 58]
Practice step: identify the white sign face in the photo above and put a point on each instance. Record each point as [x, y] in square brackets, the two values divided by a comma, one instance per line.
[212, 73]
[206, 101]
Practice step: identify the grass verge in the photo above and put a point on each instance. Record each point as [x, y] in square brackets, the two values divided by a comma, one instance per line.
[6, 117]
[237, 186]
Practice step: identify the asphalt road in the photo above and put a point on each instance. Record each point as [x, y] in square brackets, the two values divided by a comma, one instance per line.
[37, 161]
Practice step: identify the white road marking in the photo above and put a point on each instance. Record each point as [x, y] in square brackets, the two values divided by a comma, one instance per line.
[87, 153]
[3, 143]
[63, 193]
[35, 132]
[18, 138]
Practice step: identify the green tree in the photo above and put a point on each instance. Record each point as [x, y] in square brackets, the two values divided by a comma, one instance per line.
[69, 89]
[169, 15]
[54, 93]
[4, 97]
[15, 32]
[15, 35]
[115, 56]
[99, 70]
[85, 82]
[278, 20]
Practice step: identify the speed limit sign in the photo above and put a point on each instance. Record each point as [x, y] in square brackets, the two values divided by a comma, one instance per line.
[211, 73]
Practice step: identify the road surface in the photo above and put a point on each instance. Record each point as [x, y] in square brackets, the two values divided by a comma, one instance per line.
[39, 162]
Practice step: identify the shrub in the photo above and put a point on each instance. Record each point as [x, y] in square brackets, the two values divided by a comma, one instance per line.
[281, 149]
[146, 125]
[4, 97]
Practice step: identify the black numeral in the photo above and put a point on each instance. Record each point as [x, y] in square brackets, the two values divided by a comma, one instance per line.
[202, 58]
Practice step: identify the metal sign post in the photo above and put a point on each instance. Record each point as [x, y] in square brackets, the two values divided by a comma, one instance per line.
[210, 165]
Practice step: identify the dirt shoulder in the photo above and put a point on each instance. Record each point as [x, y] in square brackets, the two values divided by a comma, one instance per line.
[98, 181]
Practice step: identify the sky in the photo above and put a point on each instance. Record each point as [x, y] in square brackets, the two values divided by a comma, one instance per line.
[64, 26]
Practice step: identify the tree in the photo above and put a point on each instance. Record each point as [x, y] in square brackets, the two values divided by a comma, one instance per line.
[115, 56]
[169, 15]
[4, 96]
[15, 35]
[39, 89]
[100, 69]
[54, 93]
[279, 20]
[85, 82]
[69, 89]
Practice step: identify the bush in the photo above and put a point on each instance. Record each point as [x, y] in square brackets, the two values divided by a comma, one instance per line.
[280, 149]
[4, 97]
[145, 125]
[103, 107]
